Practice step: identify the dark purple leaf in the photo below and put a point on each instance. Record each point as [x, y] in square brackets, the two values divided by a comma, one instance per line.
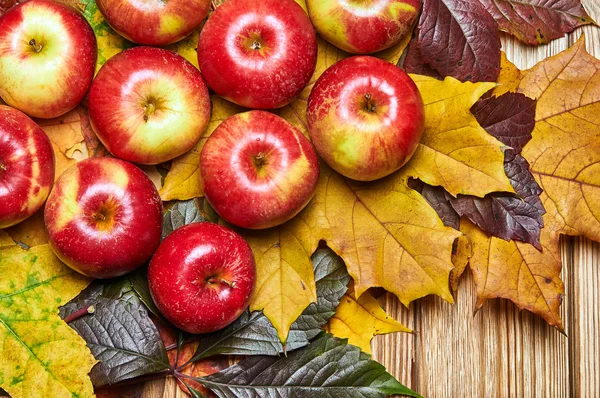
[538, 21]
[459, 38]
[438, 198]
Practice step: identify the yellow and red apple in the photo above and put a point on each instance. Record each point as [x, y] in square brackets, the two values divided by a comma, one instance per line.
[202, 277]
[103, 217]
[47, 58]
[258, 54]
[363, 26]
[365, 117]
[26, 166]
[148, 105]
[154, 22]
[258, 170]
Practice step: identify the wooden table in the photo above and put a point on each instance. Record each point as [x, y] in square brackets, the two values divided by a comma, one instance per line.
[499, 351]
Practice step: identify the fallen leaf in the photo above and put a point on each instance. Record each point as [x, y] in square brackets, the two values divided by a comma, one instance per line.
[518, 271]
[5, 240]
[40, 356]
[509, 78]
[564, 153]
[359, 320]
[188, 47]
[413, 63]
[459, 38]
[329, 367]
[455, 151]
[538, 21]
[183, 181]
[439, 199]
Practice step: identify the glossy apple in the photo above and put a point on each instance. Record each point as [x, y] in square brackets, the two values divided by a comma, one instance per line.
[365, 117]
[148, 105]
[258, 170]
[201, 277]
[258, 54]
[26, 167]
[363, 27]
[103, 217]
[154, 22]
[47, 58]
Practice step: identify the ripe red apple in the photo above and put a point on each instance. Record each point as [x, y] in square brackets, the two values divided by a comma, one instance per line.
[154, 22]
[201, 277]
[103, 217]
[148, 105]
[363, 27]
[47, 58]
[258, 54]
[258, 170]
[26, 167]
[365, 117]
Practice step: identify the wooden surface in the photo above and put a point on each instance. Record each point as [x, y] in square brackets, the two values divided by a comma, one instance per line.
[499, 351]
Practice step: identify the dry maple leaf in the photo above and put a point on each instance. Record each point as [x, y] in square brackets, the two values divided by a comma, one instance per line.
[538, 21]
[359, 320]
[564, 154]
[40, 355]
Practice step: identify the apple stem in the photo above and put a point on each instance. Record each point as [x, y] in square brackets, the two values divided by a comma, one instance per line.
[256, 45]
[214, 279]
[36, 46]
[149, 109]
[98, 216]
[259, 160]
[79, 313]
[370, 104]
[2, 167]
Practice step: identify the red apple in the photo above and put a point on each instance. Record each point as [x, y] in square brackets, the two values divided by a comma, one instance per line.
[258, 54]
[47, 58]
[148, 105]
[363, 27]
[258, 170]
[154, 22]
[103, 217]
[201, 277]
[26, 167]
[365, 117]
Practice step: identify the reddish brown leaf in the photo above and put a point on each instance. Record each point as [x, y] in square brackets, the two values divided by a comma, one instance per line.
[538, 21]
[459, 38]
[414, 64]
[439, 199]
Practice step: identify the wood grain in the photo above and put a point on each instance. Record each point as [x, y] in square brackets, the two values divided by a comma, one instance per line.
[498, 351]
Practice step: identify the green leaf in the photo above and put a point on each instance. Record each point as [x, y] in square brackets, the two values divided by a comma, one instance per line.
[253, 333]
[328, 367]
[120, 334]
[139, 284]
[182, 213]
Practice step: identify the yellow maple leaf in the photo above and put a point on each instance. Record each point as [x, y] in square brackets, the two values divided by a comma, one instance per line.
[461, 253]
[183, 181]
[40, 355]
[359, 320]
[455, 151]
[564, 155]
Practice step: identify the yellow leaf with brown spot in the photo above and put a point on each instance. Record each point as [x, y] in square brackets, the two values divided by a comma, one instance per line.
[455, 151]
[40, 355]
[359, 320]
[509, 78]
[183, 181]
[65, 133]
[461, 253]
[31, 232]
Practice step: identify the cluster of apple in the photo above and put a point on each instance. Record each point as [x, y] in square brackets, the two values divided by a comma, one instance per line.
[148, 105]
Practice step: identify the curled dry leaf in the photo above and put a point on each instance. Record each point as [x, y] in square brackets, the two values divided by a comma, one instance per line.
[360, 319]
[538, 21]
[40, 356]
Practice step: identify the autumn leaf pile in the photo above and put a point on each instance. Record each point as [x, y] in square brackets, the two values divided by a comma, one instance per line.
[508, 162]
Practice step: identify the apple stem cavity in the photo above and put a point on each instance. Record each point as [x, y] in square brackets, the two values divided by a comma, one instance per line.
[79, 313]
[216, 280]
[260, 160]
[149, 109]
[256, 45]
[370, 105]
[35, 45]
[2, 167]
[99, 216]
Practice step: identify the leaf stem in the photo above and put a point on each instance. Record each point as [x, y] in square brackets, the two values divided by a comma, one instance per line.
[79, 313]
